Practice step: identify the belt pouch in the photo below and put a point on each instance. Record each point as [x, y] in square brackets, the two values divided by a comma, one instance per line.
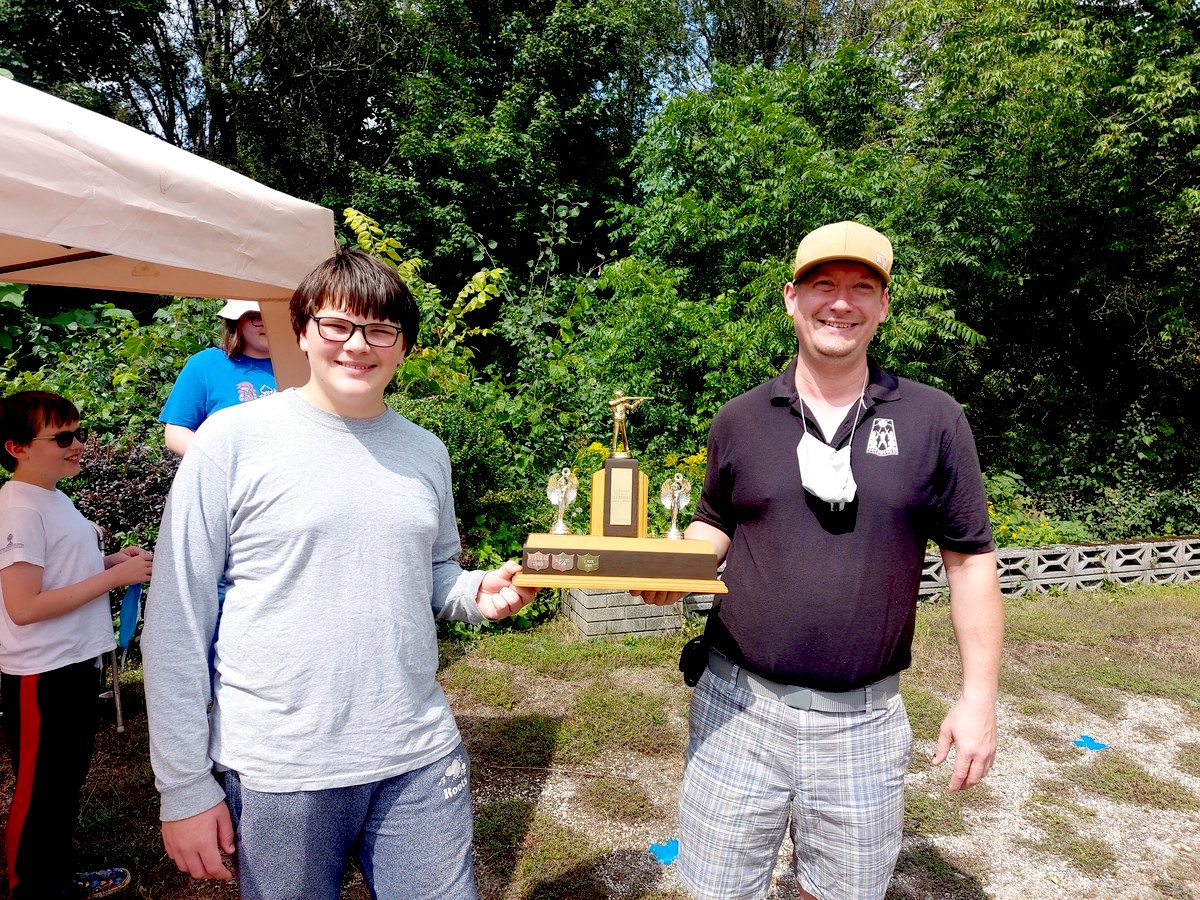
[693, 660]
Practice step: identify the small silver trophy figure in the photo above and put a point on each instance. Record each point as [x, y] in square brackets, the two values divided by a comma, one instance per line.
[561, 490]
[676, 492]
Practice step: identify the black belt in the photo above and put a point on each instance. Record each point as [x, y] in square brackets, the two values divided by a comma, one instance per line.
[873, 696]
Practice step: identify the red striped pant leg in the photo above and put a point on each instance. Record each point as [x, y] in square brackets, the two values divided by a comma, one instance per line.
[50, 722]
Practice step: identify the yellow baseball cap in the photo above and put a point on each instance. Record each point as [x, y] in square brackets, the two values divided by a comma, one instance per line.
[845, 240]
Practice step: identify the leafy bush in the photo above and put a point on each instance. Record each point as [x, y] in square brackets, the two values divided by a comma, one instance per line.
[116, 370]
[118, 373]
[1131, 510]
[496, 509]
[122, 487]
[1017, 522]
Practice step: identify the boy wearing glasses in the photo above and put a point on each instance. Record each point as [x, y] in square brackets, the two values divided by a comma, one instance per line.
[331, 518]
[55, 625]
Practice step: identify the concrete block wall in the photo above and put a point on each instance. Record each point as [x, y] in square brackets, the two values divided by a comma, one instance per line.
[1021, 570]
[1089, 566]
[616, 612]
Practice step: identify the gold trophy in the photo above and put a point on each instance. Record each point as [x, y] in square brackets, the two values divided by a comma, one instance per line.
[616, 554]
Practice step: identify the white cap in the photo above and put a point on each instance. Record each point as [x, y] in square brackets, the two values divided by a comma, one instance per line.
[235, 309]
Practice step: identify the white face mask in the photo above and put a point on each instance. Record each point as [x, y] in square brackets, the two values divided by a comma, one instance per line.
[825, 472]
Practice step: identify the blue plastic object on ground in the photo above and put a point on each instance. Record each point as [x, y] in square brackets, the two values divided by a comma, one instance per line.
[1087, 742]
[665, 853]
[131, 609]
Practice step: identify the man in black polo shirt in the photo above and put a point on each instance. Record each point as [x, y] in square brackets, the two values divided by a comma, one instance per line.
[823, 487]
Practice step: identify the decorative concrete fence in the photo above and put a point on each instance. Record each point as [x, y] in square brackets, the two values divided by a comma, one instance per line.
[1084, 566]
[1022, 569]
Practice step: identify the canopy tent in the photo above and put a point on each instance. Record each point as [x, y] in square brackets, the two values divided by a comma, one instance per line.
[86, 201]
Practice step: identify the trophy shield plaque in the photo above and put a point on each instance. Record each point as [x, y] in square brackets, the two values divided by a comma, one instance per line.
[617, 553]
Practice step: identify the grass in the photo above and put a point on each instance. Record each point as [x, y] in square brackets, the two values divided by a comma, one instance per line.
[925, 711]
[929, 814]
[1187, 758]
[1114, 776]
[574, 743]
[485, 685]
[1060, 836]
[926, 872]
[555, 651]
[1094, 647]
[620, 799]
[606, 719]
[1048, 742]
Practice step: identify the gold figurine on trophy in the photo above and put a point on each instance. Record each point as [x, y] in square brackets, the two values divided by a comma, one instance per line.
[621, 406]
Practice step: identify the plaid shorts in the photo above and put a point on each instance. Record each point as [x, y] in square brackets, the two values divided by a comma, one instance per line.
[755, 764]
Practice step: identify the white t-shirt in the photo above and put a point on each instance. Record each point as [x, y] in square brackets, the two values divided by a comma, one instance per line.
[44, 528]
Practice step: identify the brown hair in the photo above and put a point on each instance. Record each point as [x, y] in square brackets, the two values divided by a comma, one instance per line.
[360, 285]
[24, 414]
[232, 341]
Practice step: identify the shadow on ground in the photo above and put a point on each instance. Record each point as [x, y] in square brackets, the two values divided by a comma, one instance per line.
[922, 871]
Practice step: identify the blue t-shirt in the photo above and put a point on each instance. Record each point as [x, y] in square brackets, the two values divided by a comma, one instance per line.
[210, 380]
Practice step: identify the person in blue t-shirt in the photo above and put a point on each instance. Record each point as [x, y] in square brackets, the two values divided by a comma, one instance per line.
[237, 371]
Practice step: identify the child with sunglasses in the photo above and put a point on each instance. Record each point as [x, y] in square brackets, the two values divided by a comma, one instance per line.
[55, 625]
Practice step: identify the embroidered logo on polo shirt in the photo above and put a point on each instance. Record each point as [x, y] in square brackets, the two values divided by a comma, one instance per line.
[882, 441]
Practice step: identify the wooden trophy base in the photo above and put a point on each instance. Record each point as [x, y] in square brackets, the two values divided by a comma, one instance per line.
[602, 563]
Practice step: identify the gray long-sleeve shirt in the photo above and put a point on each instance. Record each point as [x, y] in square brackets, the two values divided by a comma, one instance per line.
[338, 543]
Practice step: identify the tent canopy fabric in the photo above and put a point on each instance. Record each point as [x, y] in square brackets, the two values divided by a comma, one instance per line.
[86, 201]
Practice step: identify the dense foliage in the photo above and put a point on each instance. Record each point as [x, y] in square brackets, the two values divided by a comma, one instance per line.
[617, 188]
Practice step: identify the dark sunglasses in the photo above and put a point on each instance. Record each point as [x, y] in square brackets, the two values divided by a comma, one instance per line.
[64, 439]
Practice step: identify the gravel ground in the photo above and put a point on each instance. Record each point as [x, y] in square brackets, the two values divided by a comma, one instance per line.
[1000, 854]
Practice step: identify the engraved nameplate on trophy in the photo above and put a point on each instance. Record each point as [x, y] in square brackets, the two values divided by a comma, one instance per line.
[621, 489]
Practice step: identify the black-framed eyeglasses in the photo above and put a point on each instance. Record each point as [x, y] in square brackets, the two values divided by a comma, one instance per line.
[377, 334]
[65, 439]
[255, 319]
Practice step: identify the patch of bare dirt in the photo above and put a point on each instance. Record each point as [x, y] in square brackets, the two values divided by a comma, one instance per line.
[1001, 854]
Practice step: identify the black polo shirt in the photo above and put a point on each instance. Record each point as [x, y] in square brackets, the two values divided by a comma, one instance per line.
[825, 598]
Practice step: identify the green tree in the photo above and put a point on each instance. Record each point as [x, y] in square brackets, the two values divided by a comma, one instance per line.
[310, 104]
[71, 47]
[1062, 147]
[1058, 144]
[508, 108]
[116, 370]
[771, 33]
[732, 178]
